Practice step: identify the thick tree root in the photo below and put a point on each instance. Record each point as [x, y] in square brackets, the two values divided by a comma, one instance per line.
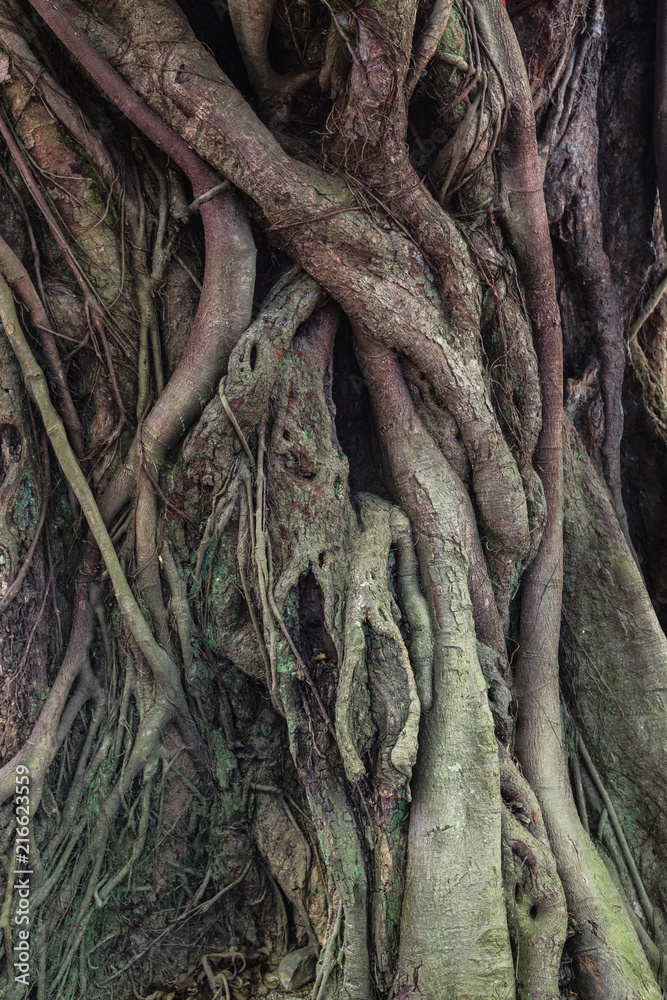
[603, 584]
[451, 892]
[252, 22]
[311, 214]
[536, 908]
[324, 553]
[428, 42]
[573, 172]
[378, 631]
[609, 959]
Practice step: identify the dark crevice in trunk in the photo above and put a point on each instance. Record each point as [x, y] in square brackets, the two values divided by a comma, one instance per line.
[355, 426]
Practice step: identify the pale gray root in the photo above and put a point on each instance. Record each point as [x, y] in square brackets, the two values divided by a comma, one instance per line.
[214, 441]
[615, 655]
[615, 823]
[454, 935]
[453, 925]
[369, 621]
[308, 518]
[428, 42]
[376, 678]
[327, 960]
[536, 908]
[515, 385]
[438, 421]
[496, 673]
[609, 961]
[341, 847]
[347, 553]
[251, 20]
[618, 869]
[345, 549]
[429, 490]
[288, 855]
[252, 370]
[319, 539]
[416, 610]
[608, 958]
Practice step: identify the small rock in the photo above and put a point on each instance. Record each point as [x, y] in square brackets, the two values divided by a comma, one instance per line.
[298, 968]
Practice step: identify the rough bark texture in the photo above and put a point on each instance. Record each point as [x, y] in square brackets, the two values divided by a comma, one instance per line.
[329, 615]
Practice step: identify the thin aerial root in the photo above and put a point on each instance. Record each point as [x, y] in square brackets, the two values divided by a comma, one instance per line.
[243, 545]
[103, 894]
[261, 553]
[223, 508]
[180, 609]
[637, 882]
[648, 309]
[93, 309]
[16, 275]
[195, 205]
[579, 796]
[159, 661]
[232, 419]
[194, 908]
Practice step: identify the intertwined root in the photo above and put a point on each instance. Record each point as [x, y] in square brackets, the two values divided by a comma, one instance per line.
[252, 24]
[369, 622]
[375, 668]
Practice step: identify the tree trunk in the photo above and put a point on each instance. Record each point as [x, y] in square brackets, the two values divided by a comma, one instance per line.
[332, 586]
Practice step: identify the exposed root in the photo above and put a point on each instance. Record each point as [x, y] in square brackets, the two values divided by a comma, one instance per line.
[536, 906]
[443, 831]
[431, 494]
[428, 42]
[369, 628]
[162, 665]
[614, 590]
[618, 830]
[575, 164]
[327, 960]
[180, 610]
[416, 611]
[454, 369]
[93, 307]
[19, 279]
[252, 23]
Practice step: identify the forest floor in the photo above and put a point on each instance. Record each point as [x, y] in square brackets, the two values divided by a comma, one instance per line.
[252, 981]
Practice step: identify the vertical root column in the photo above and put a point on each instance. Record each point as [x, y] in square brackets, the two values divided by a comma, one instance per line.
[454, 936]
[334, 818]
